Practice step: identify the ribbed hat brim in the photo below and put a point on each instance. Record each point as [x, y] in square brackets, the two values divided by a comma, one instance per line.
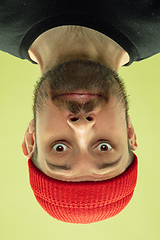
[83, 202]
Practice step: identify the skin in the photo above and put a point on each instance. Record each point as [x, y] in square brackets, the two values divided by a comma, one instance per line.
[88, 145]
[80, 142]
[65, 42]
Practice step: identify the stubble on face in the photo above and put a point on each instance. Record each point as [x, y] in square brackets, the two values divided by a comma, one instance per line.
[68, 77]
[73, 75]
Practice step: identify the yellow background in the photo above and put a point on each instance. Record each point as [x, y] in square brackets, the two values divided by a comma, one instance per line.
[21, 217]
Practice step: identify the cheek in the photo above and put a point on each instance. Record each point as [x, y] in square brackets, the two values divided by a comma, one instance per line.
[112, 126]
[48, 121]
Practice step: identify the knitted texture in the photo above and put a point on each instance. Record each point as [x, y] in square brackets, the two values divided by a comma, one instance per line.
[83, 202]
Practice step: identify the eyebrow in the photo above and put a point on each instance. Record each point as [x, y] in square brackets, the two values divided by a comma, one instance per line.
[100, 166]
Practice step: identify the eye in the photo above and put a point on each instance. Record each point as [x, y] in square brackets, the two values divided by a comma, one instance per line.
[60, 147]
[104, 147]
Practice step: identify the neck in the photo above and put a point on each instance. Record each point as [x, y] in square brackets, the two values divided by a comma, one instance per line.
[66, 42]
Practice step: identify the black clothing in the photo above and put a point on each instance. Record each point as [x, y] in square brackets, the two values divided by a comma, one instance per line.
[133, 24]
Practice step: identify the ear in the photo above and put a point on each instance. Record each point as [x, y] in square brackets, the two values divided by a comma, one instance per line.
[131, 135]
[28, 144]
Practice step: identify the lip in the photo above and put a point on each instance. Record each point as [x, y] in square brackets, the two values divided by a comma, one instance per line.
[79, 97]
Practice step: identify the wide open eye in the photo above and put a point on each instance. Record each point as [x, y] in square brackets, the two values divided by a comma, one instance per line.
[104, 147]
[59, 147]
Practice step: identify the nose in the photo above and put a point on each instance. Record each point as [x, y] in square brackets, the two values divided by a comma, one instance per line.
[86, 121]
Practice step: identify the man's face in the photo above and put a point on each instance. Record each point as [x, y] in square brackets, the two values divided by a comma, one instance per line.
[81, 128]
[83, 147]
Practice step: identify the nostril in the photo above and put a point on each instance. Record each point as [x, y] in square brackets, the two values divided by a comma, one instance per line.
[89, 118]
[74, 119]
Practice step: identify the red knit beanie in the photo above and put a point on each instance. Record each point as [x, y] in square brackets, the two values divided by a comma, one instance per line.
[83, 202]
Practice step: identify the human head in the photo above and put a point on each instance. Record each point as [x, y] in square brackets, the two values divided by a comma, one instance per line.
[97, 79]
[80, 128]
